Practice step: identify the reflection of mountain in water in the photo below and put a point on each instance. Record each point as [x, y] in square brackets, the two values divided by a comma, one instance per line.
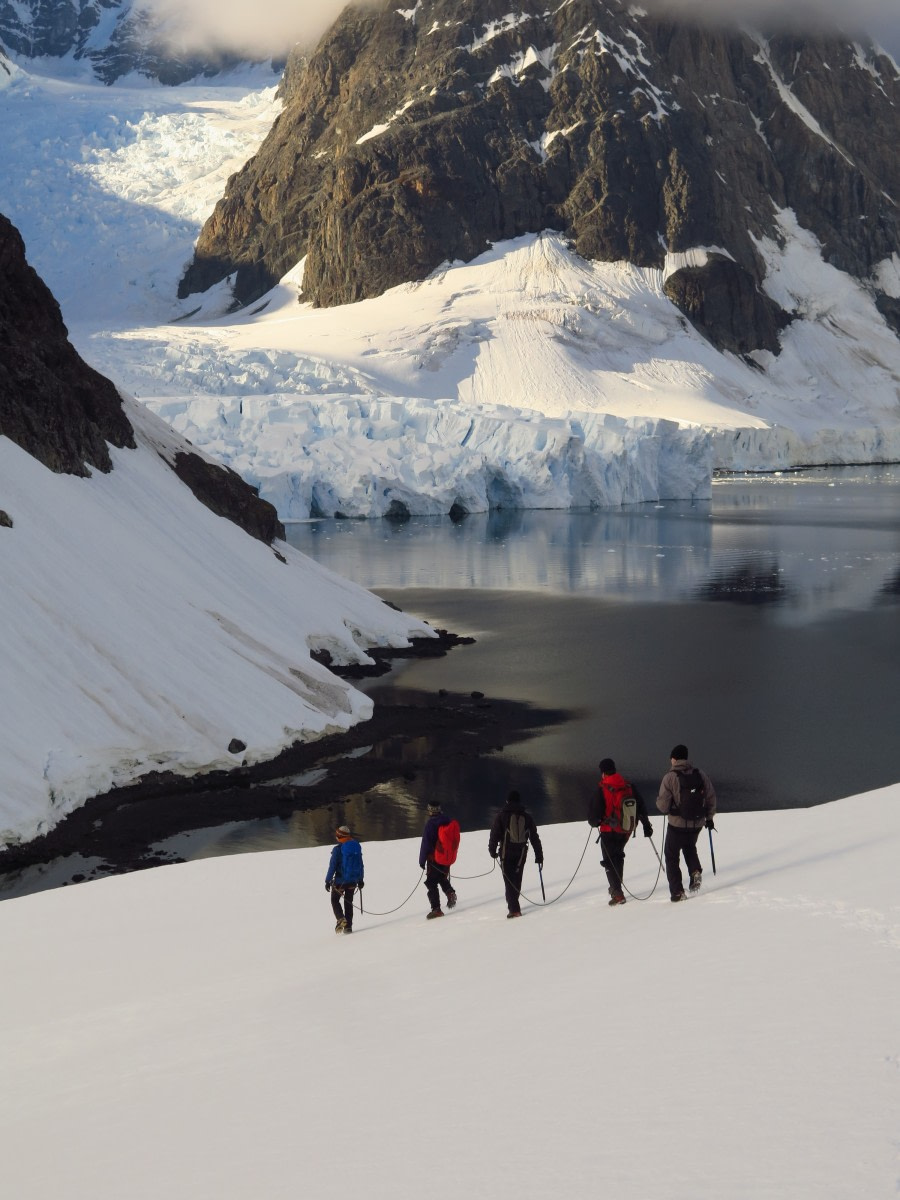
[801, 548]
[747, 583]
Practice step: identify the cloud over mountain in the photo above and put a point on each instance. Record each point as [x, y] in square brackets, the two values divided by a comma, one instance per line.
[237, 27]
[273, 29]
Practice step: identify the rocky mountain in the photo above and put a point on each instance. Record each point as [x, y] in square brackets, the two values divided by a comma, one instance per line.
[418, 135]
[66, 415]
[109, 35]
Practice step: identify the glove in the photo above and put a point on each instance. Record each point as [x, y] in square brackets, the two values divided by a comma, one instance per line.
[493, 853]
[327, 886]
[648, 830]
[709, 823]
[361, 884]
[538, 862]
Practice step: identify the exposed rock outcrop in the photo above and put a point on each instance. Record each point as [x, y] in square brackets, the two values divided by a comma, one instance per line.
[52, 403]
[420, 135]
[64, 413]
[227, 495]
[722, 301]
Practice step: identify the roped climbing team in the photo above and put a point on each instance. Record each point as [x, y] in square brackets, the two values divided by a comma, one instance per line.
[686, 797]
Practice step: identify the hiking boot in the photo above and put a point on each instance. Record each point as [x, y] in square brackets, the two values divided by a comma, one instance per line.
[451, 899]
[347, 929]
[678, 896]
[616, 899]
[341, 925]
[510, 915]
[435, 912]
[696, 880]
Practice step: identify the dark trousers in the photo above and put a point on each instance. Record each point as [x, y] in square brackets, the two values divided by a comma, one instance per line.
[513, 870]
[342, 901]
[678, 842]
[436, 877]
[613, 847]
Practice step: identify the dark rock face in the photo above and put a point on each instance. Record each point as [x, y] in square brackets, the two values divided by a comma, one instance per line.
[889, 308]
[227, 495]
[722, 301]
[51, 28]
[412, 137]
[52, 403]
[64, 413]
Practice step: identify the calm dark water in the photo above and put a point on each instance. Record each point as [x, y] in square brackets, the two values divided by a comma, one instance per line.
[762, 628]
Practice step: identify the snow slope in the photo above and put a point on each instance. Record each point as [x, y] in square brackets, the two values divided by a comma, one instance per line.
[527, 378]
[198, 1032]
[139, 631]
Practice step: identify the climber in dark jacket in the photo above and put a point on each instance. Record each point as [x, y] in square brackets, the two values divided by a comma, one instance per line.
[512, 829]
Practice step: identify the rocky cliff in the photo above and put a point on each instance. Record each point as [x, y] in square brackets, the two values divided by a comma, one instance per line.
[420, 135]
[52, 403]
[110, 35]
[66, 415]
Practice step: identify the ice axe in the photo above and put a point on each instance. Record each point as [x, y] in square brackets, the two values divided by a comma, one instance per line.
[712, 853]
[540, 868]
[655, 851]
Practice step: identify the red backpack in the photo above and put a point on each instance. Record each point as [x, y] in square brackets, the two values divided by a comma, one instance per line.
[620, 815]
[447, 843]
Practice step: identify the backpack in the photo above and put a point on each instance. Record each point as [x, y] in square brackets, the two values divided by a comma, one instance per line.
[351, 865]
[620, 805]
[515, 837]
[447, 843]
[691, 804]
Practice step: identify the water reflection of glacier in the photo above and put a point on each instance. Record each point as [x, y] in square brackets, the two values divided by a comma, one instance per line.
[803, 544]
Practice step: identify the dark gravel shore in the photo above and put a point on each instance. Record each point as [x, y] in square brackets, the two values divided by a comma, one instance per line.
[418, 734]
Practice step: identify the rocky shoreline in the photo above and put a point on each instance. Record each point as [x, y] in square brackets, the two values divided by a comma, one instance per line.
[121, 827]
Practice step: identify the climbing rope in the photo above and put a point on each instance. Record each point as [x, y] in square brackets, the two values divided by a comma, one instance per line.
[546, 903]
[374, 913]
[481, 876]
[658, 872]
[536, 903]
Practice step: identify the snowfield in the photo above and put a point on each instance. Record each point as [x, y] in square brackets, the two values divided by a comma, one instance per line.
[527, 378]
[198, 1032]
[140, 632]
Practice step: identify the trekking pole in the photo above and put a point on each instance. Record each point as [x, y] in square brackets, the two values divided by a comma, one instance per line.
[656, 852]
[540, 868]
[712, 853]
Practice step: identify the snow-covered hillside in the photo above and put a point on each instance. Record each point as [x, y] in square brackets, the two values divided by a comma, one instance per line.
[198, 1032]
[528, 377]
[140, 632]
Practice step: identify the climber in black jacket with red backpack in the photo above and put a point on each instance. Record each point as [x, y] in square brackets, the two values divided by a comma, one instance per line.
[616, 811]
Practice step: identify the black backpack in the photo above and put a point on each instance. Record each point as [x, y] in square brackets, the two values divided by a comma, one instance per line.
[691, 804]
